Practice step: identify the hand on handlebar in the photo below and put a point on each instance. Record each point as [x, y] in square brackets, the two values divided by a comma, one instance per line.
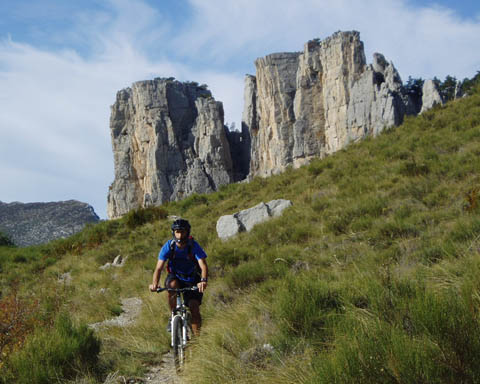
[202, 286]
[153, 287]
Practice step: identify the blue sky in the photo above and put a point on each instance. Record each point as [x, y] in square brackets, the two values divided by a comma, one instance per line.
[62, 62]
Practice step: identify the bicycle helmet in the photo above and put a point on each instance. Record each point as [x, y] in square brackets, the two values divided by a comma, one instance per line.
[181, 224]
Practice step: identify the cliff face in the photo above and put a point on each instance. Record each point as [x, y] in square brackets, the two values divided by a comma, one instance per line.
[313, 103]
[38, 223]
[168, 141]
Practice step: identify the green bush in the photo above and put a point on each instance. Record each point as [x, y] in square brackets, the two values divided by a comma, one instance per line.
[227, 254]
[253, 272]
[192, 201]
[5, 240]
[56, 355]
[137, 217]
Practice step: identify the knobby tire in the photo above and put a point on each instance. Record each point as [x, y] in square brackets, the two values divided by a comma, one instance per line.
[178, 348]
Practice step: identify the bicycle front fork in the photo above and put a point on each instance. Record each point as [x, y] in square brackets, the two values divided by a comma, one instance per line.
[179, 328]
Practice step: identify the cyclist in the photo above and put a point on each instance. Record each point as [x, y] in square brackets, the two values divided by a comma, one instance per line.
[186, 267]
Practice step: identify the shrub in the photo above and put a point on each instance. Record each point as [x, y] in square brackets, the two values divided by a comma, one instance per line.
[5, 240]
[193, 200]
[137, 217]
[57, 354]
[225, 254]
[253, 272]
[412, 168]
[17, 319]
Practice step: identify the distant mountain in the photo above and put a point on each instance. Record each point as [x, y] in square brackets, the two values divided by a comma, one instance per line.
[37, 223]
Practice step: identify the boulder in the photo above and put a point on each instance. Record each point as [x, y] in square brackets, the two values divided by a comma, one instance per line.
[276, 207]
[228, 226]
[231, 225]
[252, 216]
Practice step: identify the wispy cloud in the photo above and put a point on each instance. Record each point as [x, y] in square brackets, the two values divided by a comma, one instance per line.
[421, 41]
[54, 104]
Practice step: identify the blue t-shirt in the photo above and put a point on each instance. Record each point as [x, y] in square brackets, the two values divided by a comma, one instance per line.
[182, 266]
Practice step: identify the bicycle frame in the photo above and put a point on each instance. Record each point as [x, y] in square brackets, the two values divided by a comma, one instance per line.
[180, 325]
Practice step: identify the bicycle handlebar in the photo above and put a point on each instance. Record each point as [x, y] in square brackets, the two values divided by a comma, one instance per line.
[177, 290]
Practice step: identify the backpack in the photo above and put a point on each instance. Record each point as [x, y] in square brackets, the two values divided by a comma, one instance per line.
[191, 257]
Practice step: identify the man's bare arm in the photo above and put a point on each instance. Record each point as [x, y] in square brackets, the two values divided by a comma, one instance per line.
[204, 268]
[156, 275]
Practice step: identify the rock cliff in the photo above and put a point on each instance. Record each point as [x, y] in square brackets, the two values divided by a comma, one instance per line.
[312, 103]
[431, 96]
[168, 141]
[38, 223]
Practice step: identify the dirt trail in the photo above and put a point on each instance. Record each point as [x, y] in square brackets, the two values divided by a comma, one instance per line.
[164, 373]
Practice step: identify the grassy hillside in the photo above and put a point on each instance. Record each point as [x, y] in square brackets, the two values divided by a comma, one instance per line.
[372, 276]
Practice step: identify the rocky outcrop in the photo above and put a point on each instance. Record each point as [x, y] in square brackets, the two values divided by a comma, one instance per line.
[168, 141]
[38, 223]
[312, 103]
[430, 96]
[231, 225]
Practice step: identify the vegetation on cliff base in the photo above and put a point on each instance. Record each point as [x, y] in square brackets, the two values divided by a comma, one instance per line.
[372, 276]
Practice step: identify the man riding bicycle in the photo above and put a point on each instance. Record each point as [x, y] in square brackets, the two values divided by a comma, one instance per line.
[186, 267]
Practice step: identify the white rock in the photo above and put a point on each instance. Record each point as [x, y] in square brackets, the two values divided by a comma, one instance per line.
[431, 96]
[252, 216]
[276, 207]
[228, 226]
[106, 266]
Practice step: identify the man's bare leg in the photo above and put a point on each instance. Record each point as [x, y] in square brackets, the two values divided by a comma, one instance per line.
[172, 296]
[194, 306]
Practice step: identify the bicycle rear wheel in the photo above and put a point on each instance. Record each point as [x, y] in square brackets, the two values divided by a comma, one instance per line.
[177, 342]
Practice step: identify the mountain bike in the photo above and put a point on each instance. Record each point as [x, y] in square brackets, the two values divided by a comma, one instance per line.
[181, 328]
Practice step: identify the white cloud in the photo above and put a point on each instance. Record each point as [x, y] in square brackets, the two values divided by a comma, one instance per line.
[55, 111]
[420, 41]
[54, 104]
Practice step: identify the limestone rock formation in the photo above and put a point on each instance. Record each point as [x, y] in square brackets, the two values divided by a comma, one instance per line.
[312, 103]
[168, 141]
[38, 223]
[430, 96]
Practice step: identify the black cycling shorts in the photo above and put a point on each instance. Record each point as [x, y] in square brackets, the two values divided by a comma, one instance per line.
[188, 295]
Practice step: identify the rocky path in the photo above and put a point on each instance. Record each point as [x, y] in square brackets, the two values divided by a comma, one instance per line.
[163, 373]
[131, 308]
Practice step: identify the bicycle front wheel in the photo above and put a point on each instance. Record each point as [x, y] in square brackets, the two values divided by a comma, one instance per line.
[177, 342]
